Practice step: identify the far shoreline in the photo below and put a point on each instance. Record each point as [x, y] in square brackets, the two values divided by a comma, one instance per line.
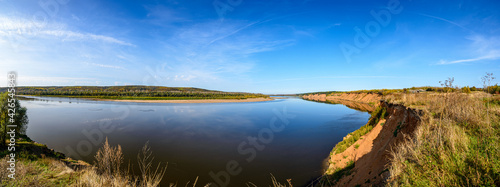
[260, 99]
[190, 101]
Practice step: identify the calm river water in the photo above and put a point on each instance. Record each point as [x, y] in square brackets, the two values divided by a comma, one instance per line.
[289, 138]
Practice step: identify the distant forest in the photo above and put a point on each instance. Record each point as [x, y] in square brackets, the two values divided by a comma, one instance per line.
[131, 92]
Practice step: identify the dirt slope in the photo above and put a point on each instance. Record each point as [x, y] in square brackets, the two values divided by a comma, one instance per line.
[358, 101]
[372, 155]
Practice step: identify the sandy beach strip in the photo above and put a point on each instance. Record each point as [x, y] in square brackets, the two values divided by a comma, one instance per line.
[192, 101]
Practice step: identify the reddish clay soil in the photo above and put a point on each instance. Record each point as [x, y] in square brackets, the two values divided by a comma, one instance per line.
[362, 101]
[371, 158]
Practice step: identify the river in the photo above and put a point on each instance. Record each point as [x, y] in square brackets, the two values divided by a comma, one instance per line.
[221, 143]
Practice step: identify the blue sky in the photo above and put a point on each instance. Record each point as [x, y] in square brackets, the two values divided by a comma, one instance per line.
[250, 45]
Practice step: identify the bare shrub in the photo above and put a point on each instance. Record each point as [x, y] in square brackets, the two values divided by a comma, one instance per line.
[109, 160]
[107, 169]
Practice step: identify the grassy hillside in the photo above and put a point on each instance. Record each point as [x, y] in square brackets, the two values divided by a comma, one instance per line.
[383, 92]
[132, 92]
[457, 143]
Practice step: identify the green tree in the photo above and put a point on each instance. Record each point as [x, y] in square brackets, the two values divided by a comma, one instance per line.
[20, 117]
[466, 89]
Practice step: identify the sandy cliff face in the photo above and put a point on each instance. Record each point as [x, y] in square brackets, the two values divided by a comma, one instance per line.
[371, 153]
[315, 97]
[357, 97]
[361, 101]
[371, 158]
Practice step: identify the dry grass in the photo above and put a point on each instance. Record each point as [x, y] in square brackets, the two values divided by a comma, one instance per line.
[278, 184]
[460, 107]
[91, 177]
[108, 169]
[42, 172]
[456, 145]
[150, 178]
[109, 160]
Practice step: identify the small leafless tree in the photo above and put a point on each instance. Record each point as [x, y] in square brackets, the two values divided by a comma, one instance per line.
[487, 81]
[448, 84]
[486, 87]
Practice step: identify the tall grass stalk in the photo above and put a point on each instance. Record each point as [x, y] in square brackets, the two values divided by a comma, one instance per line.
[150, 177]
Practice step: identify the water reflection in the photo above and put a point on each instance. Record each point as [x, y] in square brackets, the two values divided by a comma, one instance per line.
[196, 139]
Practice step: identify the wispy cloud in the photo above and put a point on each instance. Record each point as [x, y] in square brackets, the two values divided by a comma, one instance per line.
[105, 66]
[209, 51]
[161, 15]
[51, 81]
[35, 50]
[482, 48]
[326, 77]
[232, 32]
[70, 35]
[487, 57]
[445, 20]
[18, 27]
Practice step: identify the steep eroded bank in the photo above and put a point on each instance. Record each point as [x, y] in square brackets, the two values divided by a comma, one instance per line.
[365, 162]
[367, 159]
[359, 101]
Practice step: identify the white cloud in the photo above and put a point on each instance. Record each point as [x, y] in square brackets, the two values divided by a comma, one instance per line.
[105, 66]
[445, 20]
[70, 35]
[208, 51]
[482, 48]
[49, 81]
[75, 17]
[191, 54]
[23, 28]
[326, 77]
[487, 57]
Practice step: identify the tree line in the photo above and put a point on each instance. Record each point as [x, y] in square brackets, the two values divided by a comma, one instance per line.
[132, 91]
